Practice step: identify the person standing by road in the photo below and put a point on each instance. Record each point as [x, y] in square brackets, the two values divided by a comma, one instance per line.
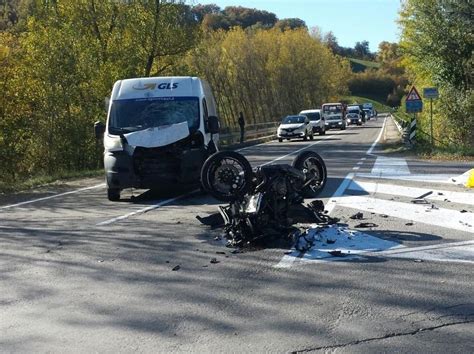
[242, 126]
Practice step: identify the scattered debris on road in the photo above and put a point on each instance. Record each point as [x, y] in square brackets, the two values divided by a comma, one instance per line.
[409, 224]
[214, 261]
[366, 225]
[265, 203]
[357, 216]
[175, 268]
[337, 253]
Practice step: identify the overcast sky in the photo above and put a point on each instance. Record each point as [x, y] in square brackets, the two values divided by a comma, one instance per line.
[349, 20]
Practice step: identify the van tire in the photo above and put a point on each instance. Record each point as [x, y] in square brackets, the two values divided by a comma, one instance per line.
[280, 140]
[113, 194]
[322, 132]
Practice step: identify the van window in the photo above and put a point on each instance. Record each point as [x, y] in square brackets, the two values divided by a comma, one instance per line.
[205, 114]
[138, 114]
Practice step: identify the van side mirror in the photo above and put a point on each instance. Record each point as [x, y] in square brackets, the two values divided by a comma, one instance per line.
[99, 130]
[213, 124]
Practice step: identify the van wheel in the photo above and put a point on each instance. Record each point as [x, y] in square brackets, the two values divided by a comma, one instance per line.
[322, 132]
[311, 137]
[280, 140]
[113, 194]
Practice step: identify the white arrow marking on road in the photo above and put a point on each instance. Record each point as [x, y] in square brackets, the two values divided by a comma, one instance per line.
[412, 192]
[451, 219]
[390, 166]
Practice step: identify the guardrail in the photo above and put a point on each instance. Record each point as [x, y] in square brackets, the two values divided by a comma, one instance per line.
[231, 135]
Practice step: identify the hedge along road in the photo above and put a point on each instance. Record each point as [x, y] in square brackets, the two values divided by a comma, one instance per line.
[67, 282]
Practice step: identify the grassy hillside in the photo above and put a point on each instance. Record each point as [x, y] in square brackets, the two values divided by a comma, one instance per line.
[379, 106]
[359, 65]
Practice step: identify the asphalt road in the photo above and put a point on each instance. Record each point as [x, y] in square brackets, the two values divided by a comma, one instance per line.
[82, 274]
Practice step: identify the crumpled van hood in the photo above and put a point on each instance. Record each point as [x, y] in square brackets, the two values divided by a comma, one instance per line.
[158, 136]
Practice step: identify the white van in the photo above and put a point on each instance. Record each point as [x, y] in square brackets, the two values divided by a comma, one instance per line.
[159, 132]
[316, 119]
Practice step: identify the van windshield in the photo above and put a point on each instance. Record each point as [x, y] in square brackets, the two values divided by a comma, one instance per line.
[138, 114]
[332, 108]
[313, 116]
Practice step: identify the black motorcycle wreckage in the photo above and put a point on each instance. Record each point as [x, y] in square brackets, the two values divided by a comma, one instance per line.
[260, 200]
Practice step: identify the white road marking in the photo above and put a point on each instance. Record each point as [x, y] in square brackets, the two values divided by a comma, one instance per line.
[435, 178]
[390, 166]
[355, 168]
[296, 151]
[413, 192]
[360, 162]
[53, 196]
[372, 147]
[451, 219]
[144, 210]
[462, 252]
[364, 158]
[350, 242]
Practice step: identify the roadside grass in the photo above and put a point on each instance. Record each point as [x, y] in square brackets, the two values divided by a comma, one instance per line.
[37, 181]
[360, 65]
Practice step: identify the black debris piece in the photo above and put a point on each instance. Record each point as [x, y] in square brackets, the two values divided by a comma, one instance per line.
[447, 200]
[220, 252]
[420, 201]
[214, 220]
[366, 225]
[409, 224]
[330, 242]
[434, 207]
[384, 216]
[337, 253]
[464, 211]
[175, 268]
[214, 261]
[439, 193]
[167, 261]
[424, 195]
[357, 216]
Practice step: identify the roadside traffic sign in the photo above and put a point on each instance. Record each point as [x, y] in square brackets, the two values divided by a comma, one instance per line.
[413, 102]
[414, 106]
[413, 95]
[430, 92]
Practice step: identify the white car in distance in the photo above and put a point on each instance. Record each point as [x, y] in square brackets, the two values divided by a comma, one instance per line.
[316, 119]
[297, 126]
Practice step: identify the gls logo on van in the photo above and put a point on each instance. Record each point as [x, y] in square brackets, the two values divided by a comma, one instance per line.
[162, 86]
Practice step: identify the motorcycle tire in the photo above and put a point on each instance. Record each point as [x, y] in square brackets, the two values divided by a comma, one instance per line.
[311, 162]
[226, 175]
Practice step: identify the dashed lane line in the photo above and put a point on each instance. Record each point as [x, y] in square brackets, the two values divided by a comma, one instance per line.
[52, 196]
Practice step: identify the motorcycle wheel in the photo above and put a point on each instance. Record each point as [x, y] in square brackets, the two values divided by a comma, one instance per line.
[312, 166]
[226, 175]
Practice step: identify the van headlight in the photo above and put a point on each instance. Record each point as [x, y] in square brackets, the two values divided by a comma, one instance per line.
[113, 143]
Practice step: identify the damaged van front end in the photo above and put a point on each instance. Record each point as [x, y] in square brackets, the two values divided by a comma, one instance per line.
[158, 137]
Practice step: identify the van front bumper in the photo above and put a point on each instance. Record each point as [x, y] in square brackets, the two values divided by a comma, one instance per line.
[150, 169]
